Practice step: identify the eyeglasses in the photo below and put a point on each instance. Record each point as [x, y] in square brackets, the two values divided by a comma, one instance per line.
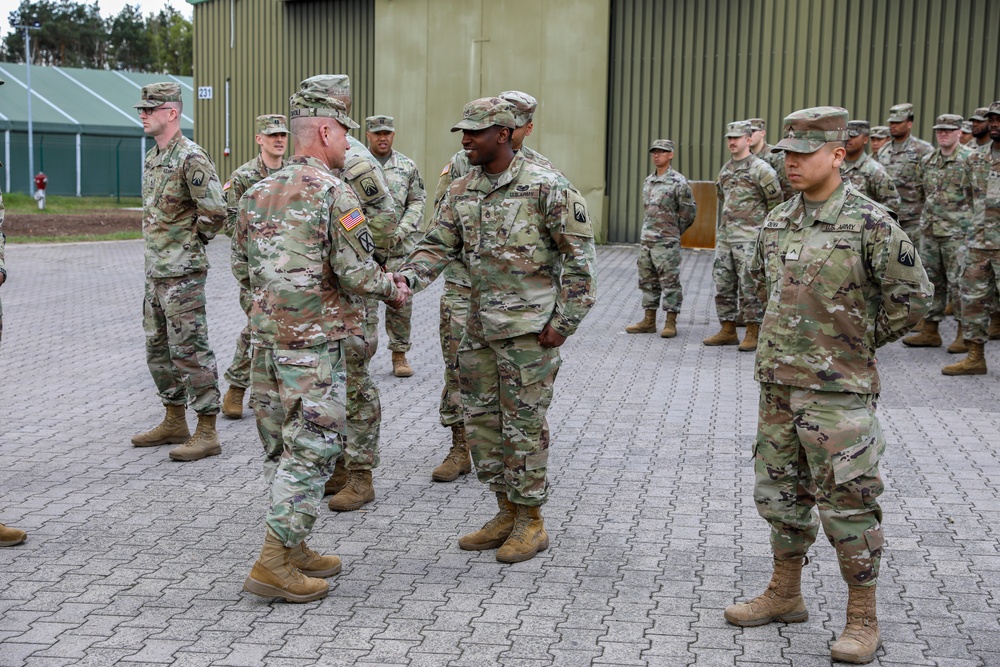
[149, 112]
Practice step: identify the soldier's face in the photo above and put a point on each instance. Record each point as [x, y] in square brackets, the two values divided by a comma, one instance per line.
[856, 144]
[813, 172]
[980, 128]
[994, 124]
[273, 145]
[738, 146]
[900, 130]
[156, 120]
[757, 140]
[380, 143]
[662, 158]
[335, 137]
[878, 142]
[947, 139]
[481, 146]
[966, 137]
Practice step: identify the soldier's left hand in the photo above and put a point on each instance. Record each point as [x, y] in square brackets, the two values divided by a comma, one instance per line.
[550, 337]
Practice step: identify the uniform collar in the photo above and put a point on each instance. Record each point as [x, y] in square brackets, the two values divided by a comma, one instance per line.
[480, 182]
[828, 212]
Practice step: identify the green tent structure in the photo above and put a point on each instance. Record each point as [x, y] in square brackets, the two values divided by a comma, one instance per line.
[87, 137]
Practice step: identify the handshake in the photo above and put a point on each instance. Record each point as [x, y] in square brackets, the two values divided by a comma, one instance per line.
[403, 291]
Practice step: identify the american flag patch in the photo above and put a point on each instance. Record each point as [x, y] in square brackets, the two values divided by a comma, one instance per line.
[352, 219]
[227, 185]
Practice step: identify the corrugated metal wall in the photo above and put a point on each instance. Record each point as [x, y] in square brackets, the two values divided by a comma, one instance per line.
[259, 46]
[682, 69]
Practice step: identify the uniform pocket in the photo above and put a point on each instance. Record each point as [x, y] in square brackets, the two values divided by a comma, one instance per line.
[829, 278]
[858, 459]
[185, 296]
[329, 416]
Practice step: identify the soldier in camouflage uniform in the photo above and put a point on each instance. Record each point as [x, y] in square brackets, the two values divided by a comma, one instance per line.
[981, 131]
[880, 137]
[669, 211]
[980, 282]
[407, 190]
[761, 149]
[748, 189]
[840, 279]
[303, 250]
[901, 158]
[865, 173]
[183, 209]
[272, 137]
[947, 194]
[967, 137]
[525, 236]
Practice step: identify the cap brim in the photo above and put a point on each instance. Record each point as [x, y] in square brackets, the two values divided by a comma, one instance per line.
[946, 127]
[149, 104]
[734, 135]
[274, 130]
[658, 148]
[348, 123]
[466, 124]
[992, 113]
[381, 128]
[898, 119]
[797, 146]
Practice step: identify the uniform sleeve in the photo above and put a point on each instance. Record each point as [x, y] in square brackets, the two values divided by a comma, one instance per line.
[886, 193]
[238, 248]
[568, 221]
[233, 190]
[758, 277]
[770, 186]
[895, 266]
[352, 245]
[416, 197]
[687, 209]
[369, 184]
[441, 245]
[206, 192]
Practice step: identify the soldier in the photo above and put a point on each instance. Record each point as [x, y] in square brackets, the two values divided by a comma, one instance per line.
[748, 188]
[407, 190]
[670, 210]
[966, 137]
[761, 149]
[525, 236]
[865, 173]
[880, 137]
[980, 282]
[301, 246]
[901, 158]
[272, 137]
[183, 209]
[947, 203]
[818, 438]
[980, 128]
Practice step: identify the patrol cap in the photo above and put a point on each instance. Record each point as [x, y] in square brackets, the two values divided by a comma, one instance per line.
[948, 121]
[379, 124]
[272, 123]
[856, 127]
[157, 94]
[662, 145]
[757, 124]
[318, 96]
[994, 110]
[979, 114]
[880, 132]
[900, 112]
[524, 103]
[739, 128]
[486, 112]
[807, 130]
[967, 127]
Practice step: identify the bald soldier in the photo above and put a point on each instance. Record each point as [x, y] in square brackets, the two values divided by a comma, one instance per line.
[865, 173]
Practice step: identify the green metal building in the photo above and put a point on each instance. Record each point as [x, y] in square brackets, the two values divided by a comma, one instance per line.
[611, 75]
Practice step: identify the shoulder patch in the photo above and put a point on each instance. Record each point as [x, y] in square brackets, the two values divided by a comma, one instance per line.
[366, 240]
[771, 188]
[352, 219]
[907, 255]
[578, 218]
[446, 169]
[228, 184]
[198, 179]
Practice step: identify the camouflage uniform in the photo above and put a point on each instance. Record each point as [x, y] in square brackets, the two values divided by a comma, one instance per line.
[3, 268]
[870, 178]
[528, 244]
[183, 209]
[837, 286]
[902, 161]
[980, 282]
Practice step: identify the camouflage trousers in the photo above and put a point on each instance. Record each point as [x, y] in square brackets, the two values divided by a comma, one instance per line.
[660, 275]
[371, 326]
[364, 407]
[943, 258]
[454, 315]
[980, 285]
[821, 449]
[397, 321]
[506, 392]
[238, 373]
[735, 298]
[299, 399]
[177, 351]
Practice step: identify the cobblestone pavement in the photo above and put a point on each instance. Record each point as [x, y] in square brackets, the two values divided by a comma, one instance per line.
[134, 559]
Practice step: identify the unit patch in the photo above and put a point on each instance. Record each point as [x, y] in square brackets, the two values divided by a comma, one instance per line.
[352, 219]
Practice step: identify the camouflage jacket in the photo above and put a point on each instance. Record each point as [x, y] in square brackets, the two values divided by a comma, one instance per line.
[984, 177]
[182, 208]
[835, 289]
[302, 248]
[407, 190]
[870, 178]
[947, 192]
[365, 176]
[902, 164]
[239, 182]
[528, 244]
[747, 191]
[777, 162]
[669, 207]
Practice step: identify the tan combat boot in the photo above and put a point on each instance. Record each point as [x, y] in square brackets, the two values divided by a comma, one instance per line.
[726, 336]
[457, 462]
[646, 325]
[670, 326]
[273, 575]
[860, 639]
[10, 537]
[782, 601]
[232, 402]
[949, 310]
[311, 564]
[338, 480]
[173, 430]
[749, 343]
[204, 442]
[400, 367]
[974, 364]
[994, 331]
[357, 492]
[495, 531]
[958, 346]
[926, 337]
[527, 538]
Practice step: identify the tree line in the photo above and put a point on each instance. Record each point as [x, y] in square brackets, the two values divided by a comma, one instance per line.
[73, 34]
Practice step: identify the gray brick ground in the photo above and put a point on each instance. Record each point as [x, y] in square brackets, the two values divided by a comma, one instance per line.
[134, 559]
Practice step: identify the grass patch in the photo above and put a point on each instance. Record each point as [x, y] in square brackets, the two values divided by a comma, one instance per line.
[113, 236]
[20, 203]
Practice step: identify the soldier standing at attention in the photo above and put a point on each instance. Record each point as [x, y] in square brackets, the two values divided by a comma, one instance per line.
[670, 210]
[901, 158]
[183, 209]
[880, 137]
[761, 149]
[525, 236]
[748, 189]
[818, 438]
[865, 173]
[407, 190]
[980, 128]
[967, 137]
[301, 244]
[272, 137]
[947, 194]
